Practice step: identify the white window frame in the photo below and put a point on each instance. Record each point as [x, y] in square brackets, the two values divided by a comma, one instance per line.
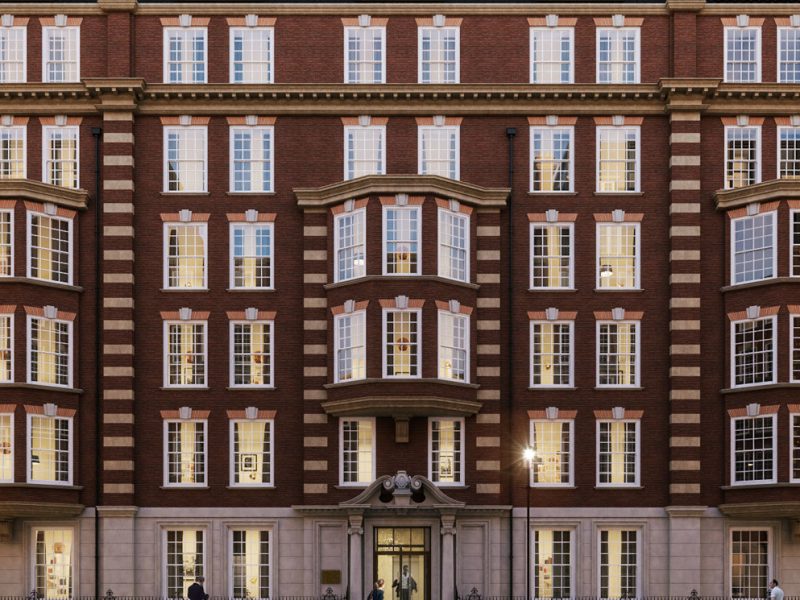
[551, 130]
[532, 444]
[70, 250]
[270, 426]
[45, 526]
[356, 28]
[725, 58]
[729, 554]
[794, 262]
[637, 362]
[232, 361]
[773, 215]
[70, 30]
[637, 69]
[250, 227]
[421, 162]
[11, 453]
[166, 355]
[570, 31]
[380, 161]
[356, 215]
[263, 131]
[12, 355]
[165, 554]
[420, 35]
[165, 167]
[255, 528]
[384, 340]
[165, 454]
[460, 450]
[534, 566]
[202, 227]
[441, 213]
[639, 543]
[357, 484]
[571, 382]
[781, 31]
[732, 352]
[24, 43]
[443, 315]
[385, 241]
[46, 131]
[779, 131]
[794, 347]
[758, 157]
[29, 450]
[637, 161]
[637, 266]
[11, 241]
[794, 448]
[23, 130]
[571, 266]
[362, 343]
[183, 60]
[270, 62]
[638, 456]
[733, 453]
[70, 353]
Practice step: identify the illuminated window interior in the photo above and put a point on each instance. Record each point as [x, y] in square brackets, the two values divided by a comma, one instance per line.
[6, 244]
[551, 153]
[186, 255]
[53, 562]
[552, 568]
[402, 338]
[252, 353]
[618, 563]
[12, 149]
[453, 335]
[251, 564]
[252, 452]
[6, 348]
[749, 563]
[186, 348]
[617, 158]
[446, 436]
[49, 351]
[6, 447]
[617, 256]
[551, 443]
[351, 356]
[617, 458]
[61, 156]
[402, 240]
[551, 256]
[617, 353]
[551, 350]
[185, 560]
[358, 451]
[49, 448]
[186, 460]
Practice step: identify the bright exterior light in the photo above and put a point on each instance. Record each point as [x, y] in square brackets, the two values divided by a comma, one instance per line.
[528, 454]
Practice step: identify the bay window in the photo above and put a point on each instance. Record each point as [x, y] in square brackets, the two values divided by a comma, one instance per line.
[350, 232]
[453, 245]
[251, 563]
[754, 451]
[753, 352]
[401, 240]
[49, 351]
[251, 255]
[789, 151]
[54, 553]
[453, 346]
[184, 560]
[49, 449]
[185, 451]
[185, 59]
[50, 247]
[350, 341]
[357, 451]
[446, 451]
[753, 248]
[619, 563]
[401, 356]
[6, 243]
[252, 453]
[6, 348]
[7, 447]
[617, 453]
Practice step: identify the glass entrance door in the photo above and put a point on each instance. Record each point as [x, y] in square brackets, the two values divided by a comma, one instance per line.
[402, 560]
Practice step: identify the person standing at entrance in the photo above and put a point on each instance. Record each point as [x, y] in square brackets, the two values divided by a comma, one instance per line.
[775, 592]
[379, 592]
[405, 586]
[196, 590]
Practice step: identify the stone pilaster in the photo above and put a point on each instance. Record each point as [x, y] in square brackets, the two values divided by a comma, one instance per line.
[355, 532]
[117, 549]
[448, 531]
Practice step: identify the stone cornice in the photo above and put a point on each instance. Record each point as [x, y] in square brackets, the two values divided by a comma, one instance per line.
[475, 195]
[28, 189]
[775, 189]
[765, 510]
[401, 406]
[15, 509]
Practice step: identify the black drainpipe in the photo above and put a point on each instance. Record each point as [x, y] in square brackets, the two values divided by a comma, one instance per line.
[97, 132]
[511, 133]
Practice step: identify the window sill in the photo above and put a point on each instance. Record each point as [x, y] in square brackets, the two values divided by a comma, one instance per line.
[187, 388]
[183, 488]
[43, 283]
[251, 290]
[251, 487]
[618, 290]
[249, 388]
[759, 387]
[404, 278]
[618, 193]
[232, 193]
[617, 388]
[553, 290]
[41, 485]
[394, 380]
[185, 193]
[617, 488]
[356, 486]
[759, 283]
[181, 290]
[759, 486]
[551, 388]
[551, 193]
[539, 488]
[38, 386]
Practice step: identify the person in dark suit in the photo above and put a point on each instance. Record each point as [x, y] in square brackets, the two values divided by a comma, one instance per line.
[379, 592]
[196, 590]
[405, 585]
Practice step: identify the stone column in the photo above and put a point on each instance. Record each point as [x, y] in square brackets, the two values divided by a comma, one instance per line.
[448, 531]
[355, 532]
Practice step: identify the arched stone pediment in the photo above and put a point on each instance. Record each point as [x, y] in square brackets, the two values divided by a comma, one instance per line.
[402, 491]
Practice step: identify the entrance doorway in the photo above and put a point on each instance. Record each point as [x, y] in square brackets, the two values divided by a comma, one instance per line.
[403, 555]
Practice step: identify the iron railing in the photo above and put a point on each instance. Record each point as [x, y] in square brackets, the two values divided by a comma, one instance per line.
[109, 595]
